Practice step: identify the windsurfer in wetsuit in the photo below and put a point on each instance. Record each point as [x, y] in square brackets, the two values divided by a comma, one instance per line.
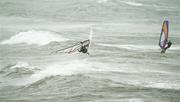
[168, 46]
[84, 48]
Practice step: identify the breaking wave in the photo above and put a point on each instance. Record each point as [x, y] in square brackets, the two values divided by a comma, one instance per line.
[28, 74]
[34, 37]
[18, 70]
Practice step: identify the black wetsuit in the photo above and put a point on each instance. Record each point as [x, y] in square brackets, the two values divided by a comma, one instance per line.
[83, 49]
[168, 46]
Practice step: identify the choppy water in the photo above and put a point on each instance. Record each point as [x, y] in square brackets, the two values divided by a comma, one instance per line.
[124, 65]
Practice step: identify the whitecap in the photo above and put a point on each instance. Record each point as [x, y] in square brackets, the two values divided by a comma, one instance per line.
[132, 3]
[102, 1]
[34, 37]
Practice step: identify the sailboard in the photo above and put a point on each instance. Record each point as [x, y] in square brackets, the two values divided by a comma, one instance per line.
[85, 43]
[164, 34]
[75, 47]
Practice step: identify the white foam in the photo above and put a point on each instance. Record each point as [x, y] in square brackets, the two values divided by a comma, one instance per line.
[102, 1]
[164, 85]
[132, 3]
[34, 37]
[21, 65]
[61, 68]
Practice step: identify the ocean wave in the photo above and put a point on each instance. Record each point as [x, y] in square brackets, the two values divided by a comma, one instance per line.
[18, 70]
[34, 37]
[22, 73]
[66, 68]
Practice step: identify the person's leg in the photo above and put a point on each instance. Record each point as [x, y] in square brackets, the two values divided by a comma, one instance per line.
[163, 51]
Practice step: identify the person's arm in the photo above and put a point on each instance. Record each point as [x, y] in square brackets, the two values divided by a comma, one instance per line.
[79, 49]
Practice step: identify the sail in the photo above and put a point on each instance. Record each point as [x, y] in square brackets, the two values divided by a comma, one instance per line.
[74, 48]
[164, 34]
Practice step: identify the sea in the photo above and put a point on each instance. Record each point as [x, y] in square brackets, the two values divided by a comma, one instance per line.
[124, 64]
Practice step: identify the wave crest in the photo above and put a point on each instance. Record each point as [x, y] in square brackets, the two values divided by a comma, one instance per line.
[34, 37]
[18, 70]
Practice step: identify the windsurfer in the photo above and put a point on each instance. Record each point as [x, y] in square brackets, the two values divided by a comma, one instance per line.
[84, 48]
[168, 45]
